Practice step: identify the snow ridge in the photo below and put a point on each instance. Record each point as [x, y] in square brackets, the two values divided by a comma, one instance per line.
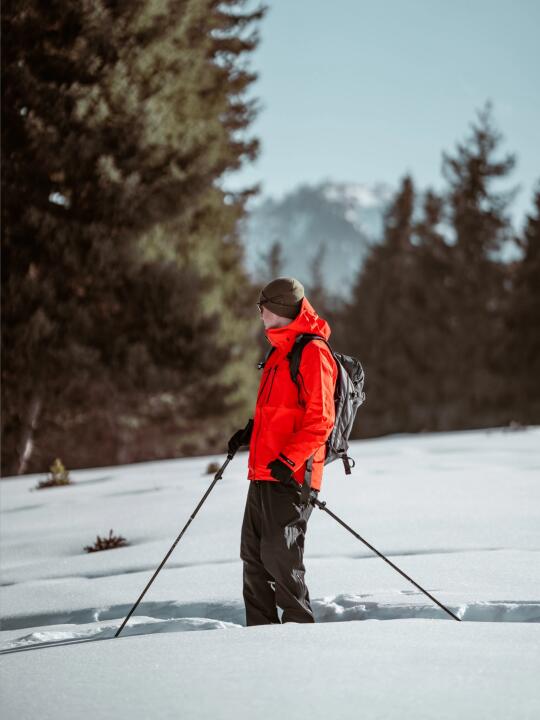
[159, 617]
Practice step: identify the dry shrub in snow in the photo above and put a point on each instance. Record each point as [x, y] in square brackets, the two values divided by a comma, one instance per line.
[106, 543]
[58, 476]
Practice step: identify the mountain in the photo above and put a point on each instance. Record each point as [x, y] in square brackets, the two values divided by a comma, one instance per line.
[330, 225]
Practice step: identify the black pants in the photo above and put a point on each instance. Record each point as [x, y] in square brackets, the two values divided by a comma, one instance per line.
[272, 549]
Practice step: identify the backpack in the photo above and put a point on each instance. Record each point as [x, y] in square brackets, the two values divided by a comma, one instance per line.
[348, 396]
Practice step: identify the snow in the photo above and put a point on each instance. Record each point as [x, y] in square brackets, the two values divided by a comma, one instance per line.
[458, 512]
[58, 199]
[361, 194]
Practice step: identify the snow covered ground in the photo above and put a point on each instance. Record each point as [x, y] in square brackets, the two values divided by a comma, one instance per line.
[459, 512]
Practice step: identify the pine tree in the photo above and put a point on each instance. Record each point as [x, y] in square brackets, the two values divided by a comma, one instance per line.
[374, 325]
[429, 289]
[315, 287]
[427, 316]
[522, 357]
[271, 265]
[122, 284]
[481, 228]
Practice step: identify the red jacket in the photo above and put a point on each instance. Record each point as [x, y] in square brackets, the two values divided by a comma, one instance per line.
[283, 422]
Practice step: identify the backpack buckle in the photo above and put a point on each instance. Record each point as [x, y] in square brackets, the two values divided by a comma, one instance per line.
[347, 464]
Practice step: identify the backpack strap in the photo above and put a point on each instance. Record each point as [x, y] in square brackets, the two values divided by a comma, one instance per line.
[294, 358]
[295, 355]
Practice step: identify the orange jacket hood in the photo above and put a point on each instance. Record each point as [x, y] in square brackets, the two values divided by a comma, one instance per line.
[307, 321]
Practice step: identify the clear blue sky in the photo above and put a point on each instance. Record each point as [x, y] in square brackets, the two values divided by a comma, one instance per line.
[362, 91]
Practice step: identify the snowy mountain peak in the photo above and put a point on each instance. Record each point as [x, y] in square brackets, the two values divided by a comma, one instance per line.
[363, 195]
[330, 223]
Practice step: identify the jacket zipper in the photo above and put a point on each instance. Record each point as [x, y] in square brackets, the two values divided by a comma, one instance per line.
[263, 385]
[259, 425]
[267, 399]
[271, 384]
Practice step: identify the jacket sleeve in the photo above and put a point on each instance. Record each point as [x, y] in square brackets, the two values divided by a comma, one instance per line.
[317, 378]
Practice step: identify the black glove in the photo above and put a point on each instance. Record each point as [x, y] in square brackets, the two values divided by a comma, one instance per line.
[282, 472]
[240, 437]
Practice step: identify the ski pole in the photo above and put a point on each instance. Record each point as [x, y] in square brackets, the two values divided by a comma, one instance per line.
[167, 556]
[322, 506]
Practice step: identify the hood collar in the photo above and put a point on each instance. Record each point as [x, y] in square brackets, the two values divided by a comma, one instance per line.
[307, 321]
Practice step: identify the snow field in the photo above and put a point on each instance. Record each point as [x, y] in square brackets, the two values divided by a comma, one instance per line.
[458, 512]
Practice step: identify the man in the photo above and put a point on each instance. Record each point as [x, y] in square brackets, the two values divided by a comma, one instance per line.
[286, 440]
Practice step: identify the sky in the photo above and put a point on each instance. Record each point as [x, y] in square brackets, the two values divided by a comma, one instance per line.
[356, 91]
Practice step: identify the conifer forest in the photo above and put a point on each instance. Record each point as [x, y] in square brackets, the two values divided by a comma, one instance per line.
[129, 325]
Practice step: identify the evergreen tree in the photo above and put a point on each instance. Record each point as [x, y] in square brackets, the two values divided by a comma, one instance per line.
[523, 349]
[481, 228]
[122, 285]
[429, 299]
[427, 316]
[315, 287]
[272, 263]
[327, 304]
[375, 325]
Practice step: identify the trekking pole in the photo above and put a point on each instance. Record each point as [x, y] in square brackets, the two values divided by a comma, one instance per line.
[322, 506]
[167, 556]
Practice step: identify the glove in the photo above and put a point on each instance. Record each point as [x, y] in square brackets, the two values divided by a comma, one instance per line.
[240, 437]
[283, 473]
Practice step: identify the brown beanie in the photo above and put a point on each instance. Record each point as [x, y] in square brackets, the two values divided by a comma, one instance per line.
[283, 296]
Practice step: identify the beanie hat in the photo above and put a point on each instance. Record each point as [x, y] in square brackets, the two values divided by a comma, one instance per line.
[283, 296]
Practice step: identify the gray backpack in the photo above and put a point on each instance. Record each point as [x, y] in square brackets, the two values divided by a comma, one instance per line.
[348, 396]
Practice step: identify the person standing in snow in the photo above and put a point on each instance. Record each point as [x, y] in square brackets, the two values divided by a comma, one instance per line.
[286, 439]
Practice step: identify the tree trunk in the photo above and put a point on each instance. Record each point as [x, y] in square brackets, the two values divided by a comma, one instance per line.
[28, 433]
